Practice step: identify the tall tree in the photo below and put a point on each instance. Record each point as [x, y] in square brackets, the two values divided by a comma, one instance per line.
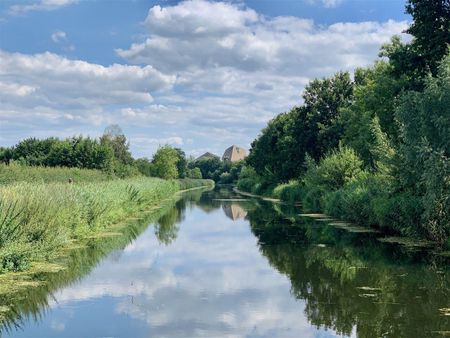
[115, 138]
[165, 162]
[182, 163]
[431, 30]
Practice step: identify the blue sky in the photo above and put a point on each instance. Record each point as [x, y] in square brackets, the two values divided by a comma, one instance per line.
[195, 74]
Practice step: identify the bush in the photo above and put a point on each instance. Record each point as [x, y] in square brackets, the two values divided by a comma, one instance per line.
[194, 173]
[226, 178]
[334, 171]
[290, 192]
[400, 212]
[355, 200]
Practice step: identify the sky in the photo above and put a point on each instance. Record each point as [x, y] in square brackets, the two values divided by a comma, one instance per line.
[195, 74]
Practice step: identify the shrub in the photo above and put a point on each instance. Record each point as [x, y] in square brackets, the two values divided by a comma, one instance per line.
[334, 171]
[194, 173]
[354, 201]
[290, 192]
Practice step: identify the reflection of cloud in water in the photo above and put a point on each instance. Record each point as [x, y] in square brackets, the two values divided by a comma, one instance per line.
[212, 281]
[234, 211]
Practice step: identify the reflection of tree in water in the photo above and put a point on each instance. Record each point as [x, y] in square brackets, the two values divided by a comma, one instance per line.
[166, 228]
[352, 281]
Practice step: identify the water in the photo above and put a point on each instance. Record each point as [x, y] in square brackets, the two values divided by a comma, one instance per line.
[215, 265]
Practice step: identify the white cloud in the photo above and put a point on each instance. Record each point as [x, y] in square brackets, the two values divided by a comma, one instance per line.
[59, 36]
[42, 5]
[198, 34]
[326, 3]
[59, 82]
[213, 72]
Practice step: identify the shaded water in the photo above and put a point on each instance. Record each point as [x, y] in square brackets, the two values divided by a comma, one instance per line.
[214, 265]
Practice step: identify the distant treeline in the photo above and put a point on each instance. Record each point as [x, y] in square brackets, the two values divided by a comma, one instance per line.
[372, 147]
[111, 155]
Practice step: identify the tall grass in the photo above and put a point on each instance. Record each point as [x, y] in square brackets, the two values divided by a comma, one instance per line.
[20, 173]
[36, 219]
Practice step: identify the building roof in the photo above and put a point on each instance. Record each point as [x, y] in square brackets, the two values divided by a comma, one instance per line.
[234, 153]
[206, 156]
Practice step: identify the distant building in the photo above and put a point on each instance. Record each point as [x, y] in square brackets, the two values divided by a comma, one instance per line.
[207, 156]
[234, 154]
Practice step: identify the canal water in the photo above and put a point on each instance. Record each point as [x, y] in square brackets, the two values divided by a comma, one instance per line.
[216, 264]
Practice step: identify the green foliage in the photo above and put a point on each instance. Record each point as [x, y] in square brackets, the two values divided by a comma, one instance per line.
[291, 192]
[15, 172]
[424, 155]
[249, 180]
[165, 163]
[211, 168]
[275, 154]
[72, 152]
[114, 138]
[37, 219]
[431, 30]
[333, 171]
[144, 166]
[278, 154]
[194, 173]
[182, 163]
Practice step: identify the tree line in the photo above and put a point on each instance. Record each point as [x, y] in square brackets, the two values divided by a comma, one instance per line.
[111, 154]
[372, 146]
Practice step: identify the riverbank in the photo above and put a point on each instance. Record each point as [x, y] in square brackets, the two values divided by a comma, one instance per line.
[39, 219]
[294, 194]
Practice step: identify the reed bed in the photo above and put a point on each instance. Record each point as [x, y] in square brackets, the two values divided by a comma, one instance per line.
[14, 172]
[37, 219]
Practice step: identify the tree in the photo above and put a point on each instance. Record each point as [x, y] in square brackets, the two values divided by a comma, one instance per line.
[431, 31]
[165, 162]
[182, 163]
[424, 153]
[278, 154]
[144, 166]
[194, 173]
[210, 168]
[375, 96]
[324, 99]
[115, 138]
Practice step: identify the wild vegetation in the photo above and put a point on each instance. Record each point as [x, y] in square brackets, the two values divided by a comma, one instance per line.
[54, 191]
[37, 219]
[372, 147]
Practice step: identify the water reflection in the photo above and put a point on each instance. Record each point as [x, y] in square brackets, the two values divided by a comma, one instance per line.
[229, 268]
[234, 211]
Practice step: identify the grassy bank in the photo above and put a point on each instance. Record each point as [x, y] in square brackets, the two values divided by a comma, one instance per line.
[20, 173]
[38, 219]
[24, 294]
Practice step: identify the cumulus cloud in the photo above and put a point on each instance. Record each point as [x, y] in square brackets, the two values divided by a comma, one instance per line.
[200, 34]
[59, 36]
[59, 82]
[236, 68]
[42, 5]
[212, 72]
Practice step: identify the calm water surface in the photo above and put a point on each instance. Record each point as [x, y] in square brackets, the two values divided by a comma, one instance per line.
[215, 265]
